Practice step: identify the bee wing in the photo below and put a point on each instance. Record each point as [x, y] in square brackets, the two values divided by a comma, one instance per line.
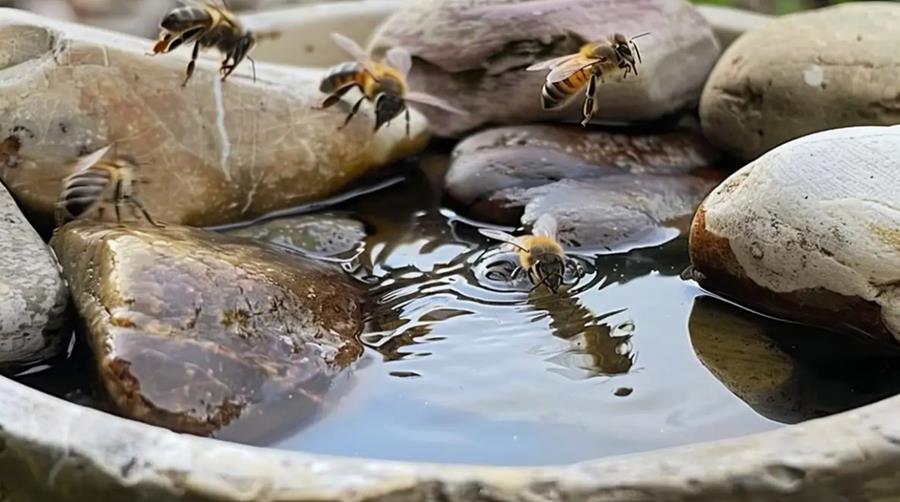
[568, 68]
[400, 59]
[355, 51]
[546, 226]
[551, 63]
[429, 100]
[499, 235]
[90, 159]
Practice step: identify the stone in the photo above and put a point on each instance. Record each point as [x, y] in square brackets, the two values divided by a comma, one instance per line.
[211, 153]
[802, 73]
[473, 53]
[607, 191]
[729, 23]
[33, 297]
[810, 232]
[319, 234]
[205, 333]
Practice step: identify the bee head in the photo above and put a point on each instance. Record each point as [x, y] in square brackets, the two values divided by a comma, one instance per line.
[387, 107]
[550, 268]
[623, 47]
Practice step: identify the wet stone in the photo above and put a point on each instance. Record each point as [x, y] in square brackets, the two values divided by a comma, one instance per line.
[321, 234]
[810, 232]
[200, 332]
[33, 297]
[473, 53]
[608, 191]
[211, 153]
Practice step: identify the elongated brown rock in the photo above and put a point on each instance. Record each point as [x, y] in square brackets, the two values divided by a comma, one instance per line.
[473, 53]
[196, 331]
[211, 152]
[617, 191]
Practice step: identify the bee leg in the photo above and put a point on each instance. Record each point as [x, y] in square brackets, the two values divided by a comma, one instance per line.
[407, 122]
[150, 219]
[637, 52]
[192, 64]
[352, 112]
[335, 97]
[590, 94]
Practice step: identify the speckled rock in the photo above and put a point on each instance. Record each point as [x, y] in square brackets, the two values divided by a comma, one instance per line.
[473, 53]
[810, 232]
[608, 191]
[198, 331]
[212, 153]
[33, 297]
[803, 73]
[320, 234]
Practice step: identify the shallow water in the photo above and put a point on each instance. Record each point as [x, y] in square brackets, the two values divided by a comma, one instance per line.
[463, 369]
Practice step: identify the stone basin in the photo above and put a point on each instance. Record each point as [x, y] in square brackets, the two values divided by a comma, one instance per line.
[51, 449]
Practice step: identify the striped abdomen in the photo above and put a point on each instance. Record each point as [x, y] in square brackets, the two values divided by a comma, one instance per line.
[341, 76]
[555, 94]
[81, 191]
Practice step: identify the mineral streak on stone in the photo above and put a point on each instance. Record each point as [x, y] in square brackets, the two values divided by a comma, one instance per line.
[808, 232]
[195, 331]
[474, 54]
[33, 296]
[211, 153]
[606, 190]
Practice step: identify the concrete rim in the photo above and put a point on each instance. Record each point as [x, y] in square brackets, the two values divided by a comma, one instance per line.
[48, 445]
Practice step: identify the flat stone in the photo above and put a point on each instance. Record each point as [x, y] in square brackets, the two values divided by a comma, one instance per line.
[474, 54]
[321, 234]
[33, 297]
[810, 232]
[197, 331]
[608, 191]
[211, 153]
[802, 73]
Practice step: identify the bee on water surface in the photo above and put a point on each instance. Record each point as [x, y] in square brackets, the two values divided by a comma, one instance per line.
[540, 254]
[95, 184]
[588, 67]
[383, 84]
[206, 24]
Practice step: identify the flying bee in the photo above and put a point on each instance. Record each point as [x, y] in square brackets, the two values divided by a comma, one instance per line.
[206, 24]
[96, 183]
[588, 67]
[382, 83]
[540, 254]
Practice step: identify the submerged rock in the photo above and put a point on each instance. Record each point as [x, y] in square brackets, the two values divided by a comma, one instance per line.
[810, 232]
[803, 73]
[196, 331]
[321, 234]
[474, 54]
[33, 297]
[606, 190]
[211, 152]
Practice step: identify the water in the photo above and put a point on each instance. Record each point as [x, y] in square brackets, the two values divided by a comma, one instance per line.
[463, 369]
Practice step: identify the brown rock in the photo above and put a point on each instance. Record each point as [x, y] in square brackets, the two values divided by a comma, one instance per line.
[212, 153]
[196, 331]
[606, 190]
[473, 54]
[802, 73]
[806, 233]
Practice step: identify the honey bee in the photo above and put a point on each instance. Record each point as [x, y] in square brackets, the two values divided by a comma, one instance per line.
[383, 84]
[540, 255]
[206, 24]
[569, 74]
[96, 183]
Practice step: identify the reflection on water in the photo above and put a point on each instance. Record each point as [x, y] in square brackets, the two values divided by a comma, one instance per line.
[463, 366]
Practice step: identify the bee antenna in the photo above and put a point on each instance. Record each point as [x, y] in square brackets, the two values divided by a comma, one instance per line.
[253, 65]
[641, 35]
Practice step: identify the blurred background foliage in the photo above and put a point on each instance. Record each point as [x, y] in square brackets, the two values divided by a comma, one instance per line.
[774, 6]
